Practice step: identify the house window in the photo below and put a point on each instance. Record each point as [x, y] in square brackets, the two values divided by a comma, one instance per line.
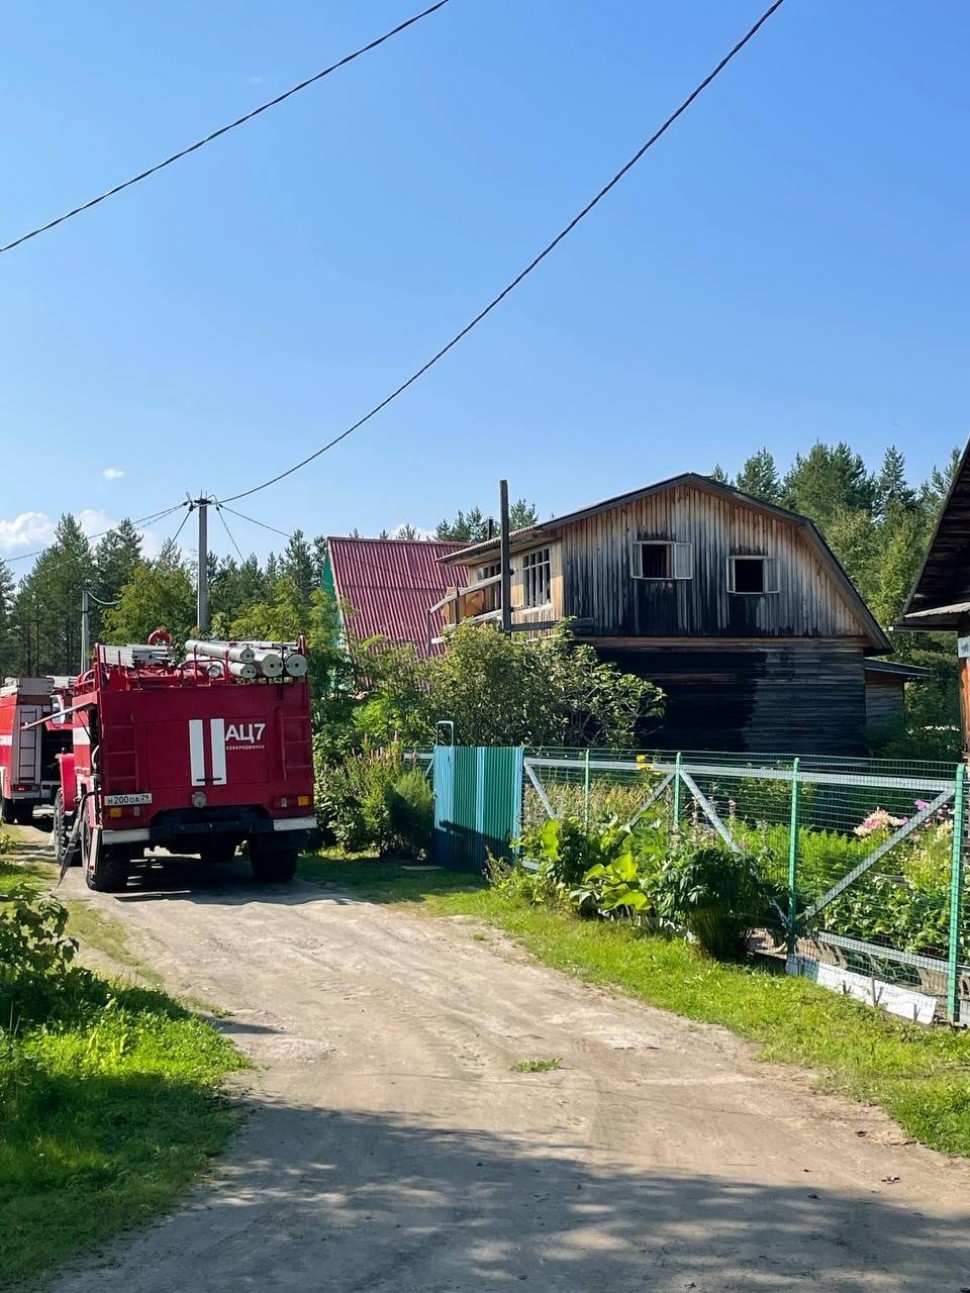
[489, 572]
[537, 578]
[662, 559]
[752, 576]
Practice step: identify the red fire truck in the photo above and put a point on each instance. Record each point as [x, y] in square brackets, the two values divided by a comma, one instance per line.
[195, 758]
[28, 750]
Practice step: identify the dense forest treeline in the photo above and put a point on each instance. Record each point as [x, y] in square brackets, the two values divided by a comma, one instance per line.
[876, 520]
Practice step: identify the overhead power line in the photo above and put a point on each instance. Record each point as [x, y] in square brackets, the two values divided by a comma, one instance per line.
[232, 539]
[145, 520]
[252, 520]
[224, 130]
[532, 265]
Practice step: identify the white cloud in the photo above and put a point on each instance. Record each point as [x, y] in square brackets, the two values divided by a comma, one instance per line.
[26, 531]
[112, 473]
[35, 530]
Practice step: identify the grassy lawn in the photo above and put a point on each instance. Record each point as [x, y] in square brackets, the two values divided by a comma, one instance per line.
[920, 1076]
[110, 1105]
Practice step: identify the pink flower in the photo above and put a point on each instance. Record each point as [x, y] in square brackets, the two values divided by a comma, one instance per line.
[880, 820]
[921, 804]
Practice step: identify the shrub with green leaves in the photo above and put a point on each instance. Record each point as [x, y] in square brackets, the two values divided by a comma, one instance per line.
[410, 807]
[38, 977]
[373, 800]
[716, 894]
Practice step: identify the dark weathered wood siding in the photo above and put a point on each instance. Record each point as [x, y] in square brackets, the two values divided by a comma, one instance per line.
[598, 586]
[785, 697]
[884, 702]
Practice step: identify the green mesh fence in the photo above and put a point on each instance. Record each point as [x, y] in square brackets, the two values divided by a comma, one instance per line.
[860, 853]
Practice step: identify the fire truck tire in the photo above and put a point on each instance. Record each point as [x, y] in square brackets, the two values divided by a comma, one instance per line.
[6, 811]
[111, 873]
[218, 852]
[62, 833]
[23, 814]
[272, 862]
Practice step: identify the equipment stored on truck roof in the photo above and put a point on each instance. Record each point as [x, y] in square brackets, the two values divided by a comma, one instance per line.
[29, 775]
[195, 757]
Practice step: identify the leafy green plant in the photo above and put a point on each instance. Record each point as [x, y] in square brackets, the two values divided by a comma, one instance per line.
[37, 973]
[716, 894]
[410, 805]
[616, 888]
[571, 848]
[536, 1066]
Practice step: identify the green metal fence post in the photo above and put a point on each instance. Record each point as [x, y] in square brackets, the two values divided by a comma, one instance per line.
[796, 797]
[677, 787]
[956, 896]
[586, 792]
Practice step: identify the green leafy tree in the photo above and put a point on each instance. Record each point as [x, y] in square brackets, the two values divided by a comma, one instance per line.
[160, 595]
[509, 690]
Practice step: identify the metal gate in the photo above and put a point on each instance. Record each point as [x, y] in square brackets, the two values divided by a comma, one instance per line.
[477, 804]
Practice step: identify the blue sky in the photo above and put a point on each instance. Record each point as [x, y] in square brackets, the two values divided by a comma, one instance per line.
[791, 262]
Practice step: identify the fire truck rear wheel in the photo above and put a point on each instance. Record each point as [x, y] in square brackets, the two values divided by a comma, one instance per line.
[111, 873]
[23, 814]
[272, 861]
[6, 811]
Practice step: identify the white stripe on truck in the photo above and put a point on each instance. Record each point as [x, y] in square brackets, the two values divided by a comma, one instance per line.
[196, 752]
[217, 734]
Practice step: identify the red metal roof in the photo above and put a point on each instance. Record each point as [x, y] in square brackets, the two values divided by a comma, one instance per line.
[391, 583]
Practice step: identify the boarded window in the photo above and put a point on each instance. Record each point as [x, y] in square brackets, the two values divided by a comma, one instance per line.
[662, 559]
[752, 576]
[537, 578]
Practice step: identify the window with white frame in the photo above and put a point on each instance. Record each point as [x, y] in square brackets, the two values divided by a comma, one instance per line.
[662, 559]
[536, 578]
[752, 576]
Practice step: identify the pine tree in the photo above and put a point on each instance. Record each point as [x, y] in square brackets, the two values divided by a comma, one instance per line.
[8, 643]
[827, 481]
[115, 559]
[476, 526]
[47, 605]
[759, 477]
[891, 490]
[406, 531]
[719, 475]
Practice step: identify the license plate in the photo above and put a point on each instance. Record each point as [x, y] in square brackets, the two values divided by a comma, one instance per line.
[122, 801]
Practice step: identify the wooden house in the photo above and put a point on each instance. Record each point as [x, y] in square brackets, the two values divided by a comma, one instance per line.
[737, 609]
[384, 588]
[941, 594]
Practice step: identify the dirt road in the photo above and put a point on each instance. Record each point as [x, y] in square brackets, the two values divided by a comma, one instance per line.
[393, 1149]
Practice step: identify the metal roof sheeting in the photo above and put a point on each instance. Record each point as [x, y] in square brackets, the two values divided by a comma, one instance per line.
[391, 583]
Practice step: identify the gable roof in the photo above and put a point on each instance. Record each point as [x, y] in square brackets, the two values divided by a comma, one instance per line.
[520, 539]
[940, 597]
[390, 583]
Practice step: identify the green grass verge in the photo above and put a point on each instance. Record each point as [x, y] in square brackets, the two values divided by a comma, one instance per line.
[921, 1076]
[111, 1103]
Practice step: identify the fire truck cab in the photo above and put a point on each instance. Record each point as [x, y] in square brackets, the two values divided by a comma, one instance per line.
[196, 758]
[29, 774]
